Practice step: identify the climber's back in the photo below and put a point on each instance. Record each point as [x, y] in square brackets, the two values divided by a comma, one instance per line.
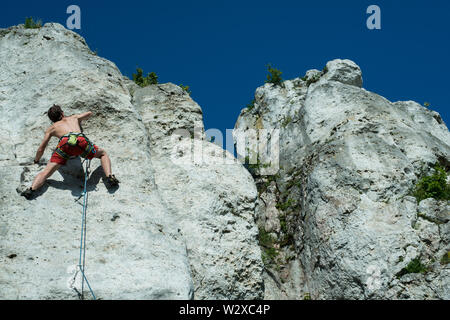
[65, 126]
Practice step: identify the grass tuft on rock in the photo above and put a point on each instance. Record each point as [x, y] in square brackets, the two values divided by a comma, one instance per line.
[266, 242]
[445, 259]
[251, 104]
[415, 266]
[186, 89]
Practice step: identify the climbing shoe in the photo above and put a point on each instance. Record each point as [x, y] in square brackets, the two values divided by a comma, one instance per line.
[28, 193]
[112, 180]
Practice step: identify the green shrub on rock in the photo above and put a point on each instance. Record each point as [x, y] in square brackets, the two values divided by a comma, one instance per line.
[434, 186]
[251, 105]
[266, 242]
[274, 75]
[415, 266]
[31, 24]
[445, 259]
[142, 81]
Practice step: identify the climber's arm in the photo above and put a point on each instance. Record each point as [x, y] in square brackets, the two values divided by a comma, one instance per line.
[41, 149]
[83, 116]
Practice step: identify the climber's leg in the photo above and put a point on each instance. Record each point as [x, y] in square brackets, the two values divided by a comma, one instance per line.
[39, 180]
[105, 160]
[101, 154]
[44, 175]
[106, 164]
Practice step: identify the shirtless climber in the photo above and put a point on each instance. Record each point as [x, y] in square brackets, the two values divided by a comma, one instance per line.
[72, 143]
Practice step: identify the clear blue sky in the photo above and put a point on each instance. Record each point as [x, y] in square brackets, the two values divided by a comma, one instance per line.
[220, 48]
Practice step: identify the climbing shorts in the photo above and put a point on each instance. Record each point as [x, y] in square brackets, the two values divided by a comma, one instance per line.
[64, 151]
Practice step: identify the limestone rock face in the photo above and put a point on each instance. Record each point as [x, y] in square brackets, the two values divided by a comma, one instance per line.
[172, 230]
[344, 71]
[339, 213]
[211, 195]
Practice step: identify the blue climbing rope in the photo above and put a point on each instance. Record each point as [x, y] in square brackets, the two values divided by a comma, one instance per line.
[82, 260]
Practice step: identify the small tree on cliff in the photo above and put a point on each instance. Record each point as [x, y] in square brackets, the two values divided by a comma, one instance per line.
[274, 75]
[142, 81]
[31, 24]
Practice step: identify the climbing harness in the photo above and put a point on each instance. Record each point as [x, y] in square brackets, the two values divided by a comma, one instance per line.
[73, 141]
[82, 260]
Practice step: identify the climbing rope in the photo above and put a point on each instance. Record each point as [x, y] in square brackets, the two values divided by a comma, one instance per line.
[82, 260]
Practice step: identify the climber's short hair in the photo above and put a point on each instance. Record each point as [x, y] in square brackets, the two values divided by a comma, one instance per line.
[55, 113]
